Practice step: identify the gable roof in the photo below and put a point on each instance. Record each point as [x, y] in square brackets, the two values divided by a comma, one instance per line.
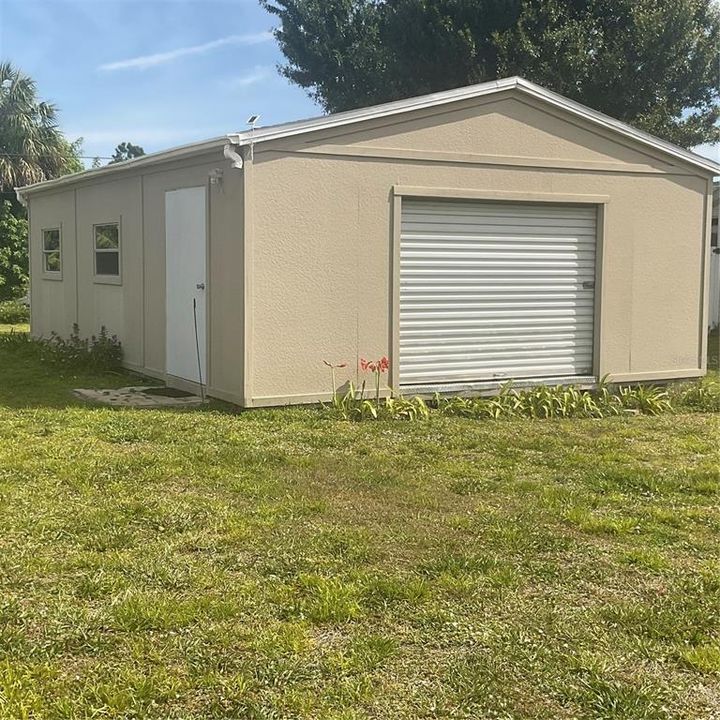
[299, 127]
[526, 87]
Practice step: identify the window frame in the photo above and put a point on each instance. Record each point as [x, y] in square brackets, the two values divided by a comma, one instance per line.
[101, 279]
[51, 274]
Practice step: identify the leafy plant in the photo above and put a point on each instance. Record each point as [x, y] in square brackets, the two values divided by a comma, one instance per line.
[702, 395]
[13, 251]
[558, 402]
[401, 408]
[98, 352]
[13, 312]
[377, 368]
[646, 399]
[33, 148]
[540, 402]
[353, 405]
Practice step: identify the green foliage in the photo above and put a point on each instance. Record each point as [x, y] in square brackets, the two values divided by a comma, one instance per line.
[703, 395]
[558, 402]
[653, 64]
[32, 148]
[353, 405]
[97, 353]
[540, 402]
[645, 399]
[126, 151]
[402, 408]
[13, 252]
[13, 312]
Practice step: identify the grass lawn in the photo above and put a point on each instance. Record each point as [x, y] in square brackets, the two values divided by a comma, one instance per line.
[280, 564]
[13, 328]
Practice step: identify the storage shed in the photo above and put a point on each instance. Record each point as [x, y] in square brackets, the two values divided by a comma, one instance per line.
[490, 232]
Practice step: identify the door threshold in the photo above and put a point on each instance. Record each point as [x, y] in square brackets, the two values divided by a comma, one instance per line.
[492, 387]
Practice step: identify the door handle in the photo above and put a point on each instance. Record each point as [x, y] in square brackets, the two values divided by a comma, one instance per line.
[588, 285]
[200, 286]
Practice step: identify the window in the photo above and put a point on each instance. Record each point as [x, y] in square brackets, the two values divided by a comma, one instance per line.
[107, 250]
[52, 261]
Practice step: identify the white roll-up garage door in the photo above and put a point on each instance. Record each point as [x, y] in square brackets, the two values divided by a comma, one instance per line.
[493, 291]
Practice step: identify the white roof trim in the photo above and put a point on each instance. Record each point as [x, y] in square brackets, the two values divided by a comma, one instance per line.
[177, 153]
[275, 132]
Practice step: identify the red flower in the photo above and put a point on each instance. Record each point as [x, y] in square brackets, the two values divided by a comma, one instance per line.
[375, 366]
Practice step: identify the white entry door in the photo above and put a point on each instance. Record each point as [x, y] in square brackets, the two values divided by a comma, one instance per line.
[494, 291]
[185, 283]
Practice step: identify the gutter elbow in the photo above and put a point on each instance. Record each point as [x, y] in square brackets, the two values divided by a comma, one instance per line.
[20, 197]
[235, 158]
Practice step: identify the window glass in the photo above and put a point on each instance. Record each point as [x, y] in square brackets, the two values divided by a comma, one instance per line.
[52, 262]
[107, 264]
[107, 250]
[107, 237]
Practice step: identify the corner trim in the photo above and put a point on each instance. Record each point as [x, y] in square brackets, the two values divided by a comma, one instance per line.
[248, 276]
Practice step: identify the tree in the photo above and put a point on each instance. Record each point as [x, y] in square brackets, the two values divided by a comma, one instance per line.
[13, 253]
[32, 148]
[652, 63]
[126, 151]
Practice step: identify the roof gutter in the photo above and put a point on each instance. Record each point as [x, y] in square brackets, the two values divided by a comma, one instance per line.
[178, 153]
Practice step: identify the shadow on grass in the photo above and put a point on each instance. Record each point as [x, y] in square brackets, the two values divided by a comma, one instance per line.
[29, 381]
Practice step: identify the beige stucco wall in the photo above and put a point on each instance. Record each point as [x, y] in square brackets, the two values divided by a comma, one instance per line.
[135, 308]
[53, 301]
[321, 245]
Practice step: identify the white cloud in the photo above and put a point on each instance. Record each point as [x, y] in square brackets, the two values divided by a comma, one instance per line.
[258, 73]
[145, 61]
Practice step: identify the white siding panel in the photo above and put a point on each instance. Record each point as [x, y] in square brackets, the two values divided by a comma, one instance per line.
[495, 290]
[714, 289]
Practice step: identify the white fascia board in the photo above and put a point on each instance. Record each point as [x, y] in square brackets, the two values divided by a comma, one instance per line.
[176, 153]
[618, 126]
[474, 91]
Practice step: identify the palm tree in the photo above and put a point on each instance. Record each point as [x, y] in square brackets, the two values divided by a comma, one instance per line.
[32, 148]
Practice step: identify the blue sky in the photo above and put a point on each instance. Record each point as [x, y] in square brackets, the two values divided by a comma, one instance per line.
[155, 72]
